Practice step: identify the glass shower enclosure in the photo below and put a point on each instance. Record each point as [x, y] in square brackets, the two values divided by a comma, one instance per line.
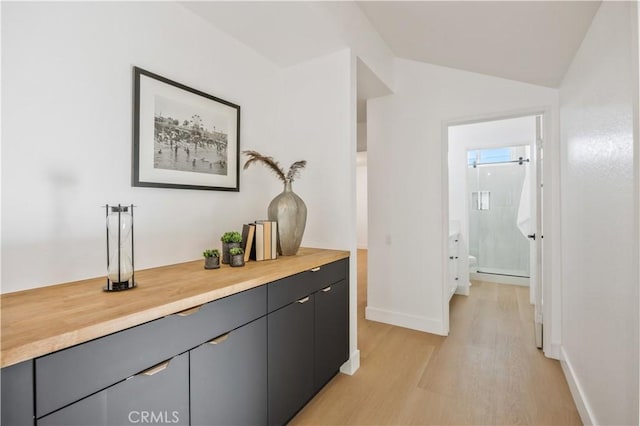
[496, 179]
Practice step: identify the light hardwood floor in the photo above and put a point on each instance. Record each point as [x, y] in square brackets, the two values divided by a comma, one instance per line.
[487, 372]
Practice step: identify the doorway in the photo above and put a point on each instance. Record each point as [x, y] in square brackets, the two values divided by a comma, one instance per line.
[494, 197]
[368, 87]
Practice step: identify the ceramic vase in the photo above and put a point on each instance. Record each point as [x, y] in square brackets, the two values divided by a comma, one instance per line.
[291, 214]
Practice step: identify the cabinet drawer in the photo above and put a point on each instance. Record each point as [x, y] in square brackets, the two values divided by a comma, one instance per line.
[71, 374]
[290, 289]
[159, 395]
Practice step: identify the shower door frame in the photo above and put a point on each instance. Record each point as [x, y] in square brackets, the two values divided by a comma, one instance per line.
[511, 275]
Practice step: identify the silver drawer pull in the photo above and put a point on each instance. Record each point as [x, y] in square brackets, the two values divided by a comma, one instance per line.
[156, 368]
[305, 300]
[316, 269]
[189, 311]
[219, 339]
[325, 290]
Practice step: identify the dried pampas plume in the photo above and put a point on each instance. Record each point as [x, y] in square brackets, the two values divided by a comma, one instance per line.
[274, 166]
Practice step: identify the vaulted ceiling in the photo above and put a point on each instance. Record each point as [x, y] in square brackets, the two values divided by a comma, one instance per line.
[529, 41]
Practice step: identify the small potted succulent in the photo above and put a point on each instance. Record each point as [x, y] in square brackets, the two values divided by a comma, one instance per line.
[211, 259]
[229, 240]
[237, 256]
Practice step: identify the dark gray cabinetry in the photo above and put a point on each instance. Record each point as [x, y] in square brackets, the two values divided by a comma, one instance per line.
[228, 378]
[290, 355]
[331, 331]
[308, 336]
[17, 394]
[158, 395]
[252, 358]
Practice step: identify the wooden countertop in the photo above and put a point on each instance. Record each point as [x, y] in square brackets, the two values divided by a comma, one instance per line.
[43, 320]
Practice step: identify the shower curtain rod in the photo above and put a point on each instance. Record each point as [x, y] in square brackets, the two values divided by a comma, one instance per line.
[520, 161]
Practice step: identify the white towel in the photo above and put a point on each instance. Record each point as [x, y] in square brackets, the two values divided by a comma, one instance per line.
[524, 209]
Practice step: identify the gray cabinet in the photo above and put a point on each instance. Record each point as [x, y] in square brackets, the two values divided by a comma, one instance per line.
[290, 357]
[158, 395]
[308, 338]
[228, 378]
[17, 394]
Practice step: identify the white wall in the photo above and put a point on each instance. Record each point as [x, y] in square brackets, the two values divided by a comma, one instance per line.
[509, 132]
[318, 123]
[315, 126]
[636, 152]
[66, 134]
[361, 198]
[600, 272]
[408, 201]
[1, 116]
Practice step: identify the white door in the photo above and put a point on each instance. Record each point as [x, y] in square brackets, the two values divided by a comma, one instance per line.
[537, 236]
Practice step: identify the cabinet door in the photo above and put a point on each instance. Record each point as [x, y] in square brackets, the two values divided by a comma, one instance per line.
[228, 383]
[290, 359]
[453, 265]
[17, 394]
[158, 395]
[331, 331]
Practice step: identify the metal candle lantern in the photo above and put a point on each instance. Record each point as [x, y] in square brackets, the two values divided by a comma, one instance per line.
[120, 266]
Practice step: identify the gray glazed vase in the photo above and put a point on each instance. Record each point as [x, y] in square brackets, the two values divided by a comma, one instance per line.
[291, 214]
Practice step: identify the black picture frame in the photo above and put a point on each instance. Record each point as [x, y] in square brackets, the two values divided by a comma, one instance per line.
[183, 138]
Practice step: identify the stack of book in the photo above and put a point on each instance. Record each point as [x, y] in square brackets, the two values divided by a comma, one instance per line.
[260, 240]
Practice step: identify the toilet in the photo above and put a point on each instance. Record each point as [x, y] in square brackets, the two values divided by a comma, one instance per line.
[473, 263]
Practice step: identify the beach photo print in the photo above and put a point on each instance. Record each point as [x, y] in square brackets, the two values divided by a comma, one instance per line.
[183, 138]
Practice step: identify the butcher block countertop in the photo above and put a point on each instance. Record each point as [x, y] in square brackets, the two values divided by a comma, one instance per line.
[43, 320]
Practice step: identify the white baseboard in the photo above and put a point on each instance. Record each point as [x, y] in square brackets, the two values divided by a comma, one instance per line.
[413, 322]
[553, 351]
[499, 279]
[352, 364]
[463, 291]
[586, 414]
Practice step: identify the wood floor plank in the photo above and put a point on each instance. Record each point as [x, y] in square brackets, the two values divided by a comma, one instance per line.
[486, 372]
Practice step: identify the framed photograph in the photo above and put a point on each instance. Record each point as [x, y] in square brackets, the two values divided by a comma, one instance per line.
[182, 137]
